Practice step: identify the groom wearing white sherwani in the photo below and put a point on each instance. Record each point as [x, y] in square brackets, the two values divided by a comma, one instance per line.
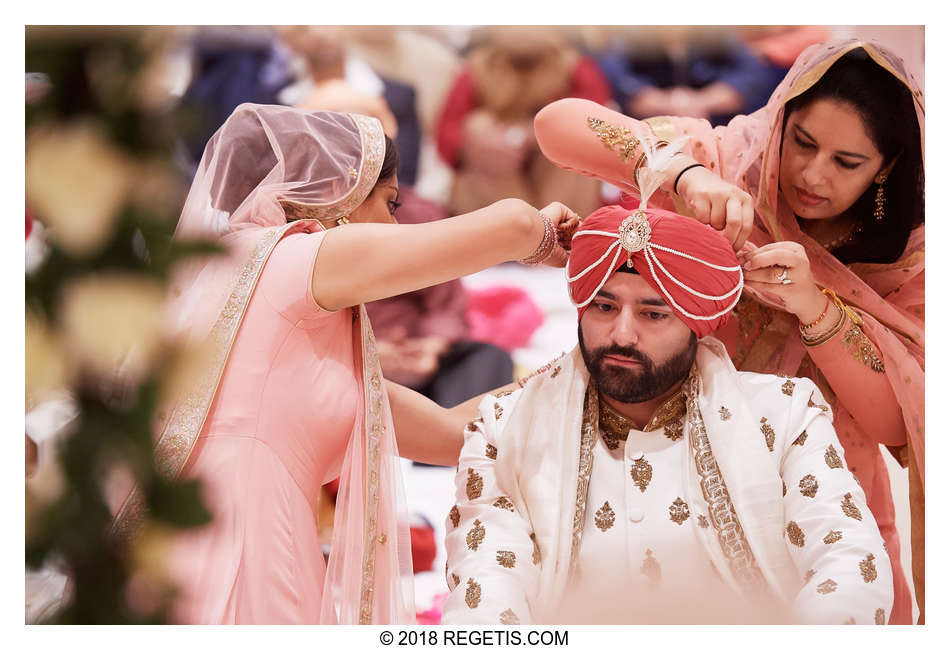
[642, 479]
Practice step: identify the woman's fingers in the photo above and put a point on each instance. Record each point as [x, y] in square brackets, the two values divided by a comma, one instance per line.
[733, 215]
[786, 256]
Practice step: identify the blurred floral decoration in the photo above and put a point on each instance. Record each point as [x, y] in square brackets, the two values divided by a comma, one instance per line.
[100, 133]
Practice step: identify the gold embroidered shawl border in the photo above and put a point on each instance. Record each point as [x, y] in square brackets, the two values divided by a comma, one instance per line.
[723, 516]
[589, 430]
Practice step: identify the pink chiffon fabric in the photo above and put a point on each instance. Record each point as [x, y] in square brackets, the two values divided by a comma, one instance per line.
[889, 297]
[291, 395]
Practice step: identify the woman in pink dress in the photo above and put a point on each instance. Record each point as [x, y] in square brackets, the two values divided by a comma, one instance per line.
[826, 183]
[290, 394]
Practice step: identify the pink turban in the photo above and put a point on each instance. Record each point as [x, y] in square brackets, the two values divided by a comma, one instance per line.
[688, 263]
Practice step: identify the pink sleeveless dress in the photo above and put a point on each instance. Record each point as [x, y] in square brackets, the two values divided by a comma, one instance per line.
[277, 431]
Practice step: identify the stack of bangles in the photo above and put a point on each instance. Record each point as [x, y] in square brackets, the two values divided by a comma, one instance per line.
[544, 249]
[812, 340]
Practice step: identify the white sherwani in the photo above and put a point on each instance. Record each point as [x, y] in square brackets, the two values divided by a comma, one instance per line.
[749, 516]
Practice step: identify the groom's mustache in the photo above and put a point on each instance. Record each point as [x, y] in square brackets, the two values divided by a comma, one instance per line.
[622, 351]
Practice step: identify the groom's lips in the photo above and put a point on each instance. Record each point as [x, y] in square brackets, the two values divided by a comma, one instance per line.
[621, 360]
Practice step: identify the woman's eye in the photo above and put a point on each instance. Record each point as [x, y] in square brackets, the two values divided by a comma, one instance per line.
[848, 165]
[393, 206]
[803, 144]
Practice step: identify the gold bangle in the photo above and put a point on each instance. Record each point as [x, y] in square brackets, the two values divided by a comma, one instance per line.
[820, 318]
[642, 158]
[830, 334]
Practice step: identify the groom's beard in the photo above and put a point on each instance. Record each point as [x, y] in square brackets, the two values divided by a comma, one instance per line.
[634, 385]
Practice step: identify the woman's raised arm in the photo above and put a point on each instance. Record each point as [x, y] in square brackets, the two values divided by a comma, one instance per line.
[362, 262]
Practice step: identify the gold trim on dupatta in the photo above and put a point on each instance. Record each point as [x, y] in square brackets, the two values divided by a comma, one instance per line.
[374, 150]
[374, 427]
[180, 431]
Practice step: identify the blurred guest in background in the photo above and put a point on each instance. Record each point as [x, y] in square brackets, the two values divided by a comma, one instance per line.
[231, 65]
[695, 72]
[485, 131]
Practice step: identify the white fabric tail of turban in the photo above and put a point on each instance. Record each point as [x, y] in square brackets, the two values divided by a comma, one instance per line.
[634, 235]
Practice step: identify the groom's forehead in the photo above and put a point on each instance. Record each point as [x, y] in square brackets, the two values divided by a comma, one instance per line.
[631, 287]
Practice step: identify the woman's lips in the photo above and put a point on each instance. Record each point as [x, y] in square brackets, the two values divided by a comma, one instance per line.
[808, 198]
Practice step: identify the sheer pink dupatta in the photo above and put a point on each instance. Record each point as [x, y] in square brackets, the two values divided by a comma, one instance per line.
[270, 171]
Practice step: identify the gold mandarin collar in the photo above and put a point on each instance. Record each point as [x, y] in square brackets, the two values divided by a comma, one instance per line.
[614, 427]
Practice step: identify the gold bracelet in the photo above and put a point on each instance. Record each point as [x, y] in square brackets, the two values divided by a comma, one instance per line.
[830, 334]
[820, 318]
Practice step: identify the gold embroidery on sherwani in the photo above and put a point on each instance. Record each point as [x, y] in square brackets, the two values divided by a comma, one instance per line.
[614, 428]
[605, 517]
[473, 594]
[769, 433]
[498, 411]
[456, 579]
[505, 559]
[724, 413]
[651, 568]
[848, 507]
[642, 473]
[475, 536]
[879, 617]
[585, 464]
[508, 617]
[800, 440]
[703, 522]
[862, 349]
[809, 575]
[795, 534]
[833, 536]
[557, 371]
[504, 503]
[827, 587]
[808, 486]
[674, 431]
[616, 138]
[455, 516]
[814, 405]
[669, 412]
[471, 426]
[503, 393]
[832, 459]
[722, 515]
[784, 488]
[868, 570]
[788, 387]
[473, 487]
[679, 511]
[491, 451]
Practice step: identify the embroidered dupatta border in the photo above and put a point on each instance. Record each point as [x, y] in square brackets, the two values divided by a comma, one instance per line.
[723, 516]
[374, 427]
[180, 432]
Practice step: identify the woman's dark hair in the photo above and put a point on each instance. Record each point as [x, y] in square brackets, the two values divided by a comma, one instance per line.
[887, 109]
[390, 161]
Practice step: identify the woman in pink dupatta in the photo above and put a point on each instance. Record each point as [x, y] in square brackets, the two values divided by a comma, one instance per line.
[872, 370]
[289, 393]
